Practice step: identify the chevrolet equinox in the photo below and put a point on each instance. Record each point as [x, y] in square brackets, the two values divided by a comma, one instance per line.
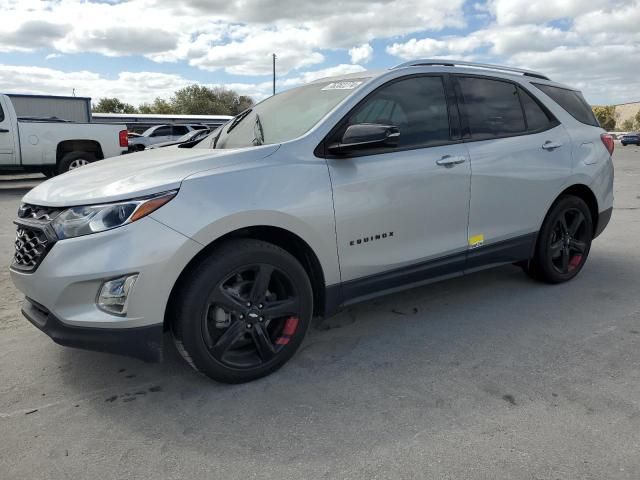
[316, 198]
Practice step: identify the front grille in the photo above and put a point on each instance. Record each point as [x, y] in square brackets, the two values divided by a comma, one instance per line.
[32, 240]
[31, 246]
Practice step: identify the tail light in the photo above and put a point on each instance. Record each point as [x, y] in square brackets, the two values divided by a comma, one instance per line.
[123, 136]
[608, 142]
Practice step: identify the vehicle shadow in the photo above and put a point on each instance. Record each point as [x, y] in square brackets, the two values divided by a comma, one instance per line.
[473, 340]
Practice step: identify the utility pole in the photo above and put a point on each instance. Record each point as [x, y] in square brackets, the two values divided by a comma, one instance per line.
[274, 73]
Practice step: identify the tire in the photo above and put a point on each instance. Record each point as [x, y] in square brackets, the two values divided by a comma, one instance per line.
[563, 243]
[623, 144]
[73, 160]
[49, 172]
[243, 311]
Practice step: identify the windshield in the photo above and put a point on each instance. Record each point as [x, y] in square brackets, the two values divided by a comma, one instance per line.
[283, 117]
[193, 135]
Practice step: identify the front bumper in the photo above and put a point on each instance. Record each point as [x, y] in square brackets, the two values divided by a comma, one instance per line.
[61, 293]
[144, 343]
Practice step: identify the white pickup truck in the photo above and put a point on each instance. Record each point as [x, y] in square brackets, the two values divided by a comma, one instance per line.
[53, 146]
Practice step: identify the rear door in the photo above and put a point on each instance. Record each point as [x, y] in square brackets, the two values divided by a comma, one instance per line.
[7, 143]
[401, 212]
[520, 160]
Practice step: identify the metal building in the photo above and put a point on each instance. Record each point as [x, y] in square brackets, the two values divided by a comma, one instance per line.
[73, 109]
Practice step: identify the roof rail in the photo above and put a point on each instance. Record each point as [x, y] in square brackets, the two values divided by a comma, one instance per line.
[454, 63]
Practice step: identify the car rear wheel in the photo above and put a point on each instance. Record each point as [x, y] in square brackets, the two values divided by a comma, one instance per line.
[243, 311]
[73, 160]
[564, 241]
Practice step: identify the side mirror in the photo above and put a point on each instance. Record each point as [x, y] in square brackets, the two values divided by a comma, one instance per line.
[366, 135]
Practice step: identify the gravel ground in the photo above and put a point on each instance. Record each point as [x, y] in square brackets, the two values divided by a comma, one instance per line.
[488, 376]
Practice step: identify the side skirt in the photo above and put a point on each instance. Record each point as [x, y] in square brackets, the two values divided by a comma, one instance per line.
[361, 289]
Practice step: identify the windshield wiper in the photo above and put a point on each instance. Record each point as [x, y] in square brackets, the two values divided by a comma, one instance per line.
[259, 138]
[238, 119]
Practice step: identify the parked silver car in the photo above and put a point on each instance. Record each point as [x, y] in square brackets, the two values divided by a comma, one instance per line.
[319, 197]
[161, 134]
[192, 136]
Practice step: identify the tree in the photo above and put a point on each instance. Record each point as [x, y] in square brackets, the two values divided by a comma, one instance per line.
[606, 116]
[638, 120]
[113, 105]
[627, 125]
[200, 100]
[159, 106]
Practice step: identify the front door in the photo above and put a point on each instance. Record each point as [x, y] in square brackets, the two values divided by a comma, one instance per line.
[401, 212]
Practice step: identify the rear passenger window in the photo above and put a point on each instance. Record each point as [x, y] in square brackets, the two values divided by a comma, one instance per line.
[180, 130]
[572, 101]
[161, 132]
[416, 105]
[537, 117]
[492, 107]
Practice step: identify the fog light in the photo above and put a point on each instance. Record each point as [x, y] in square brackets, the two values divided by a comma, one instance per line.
[114, 294]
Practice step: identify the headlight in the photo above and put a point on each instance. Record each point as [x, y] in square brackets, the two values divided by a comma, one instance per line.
[77, 221]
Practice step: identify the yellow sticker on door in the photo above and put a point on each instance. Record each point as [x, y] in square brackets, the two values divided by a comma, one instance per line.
[476, 241]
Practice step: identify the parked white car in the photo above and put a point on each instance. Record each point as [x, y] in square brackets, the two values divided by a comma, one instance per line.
[54, 146]
[161, 134]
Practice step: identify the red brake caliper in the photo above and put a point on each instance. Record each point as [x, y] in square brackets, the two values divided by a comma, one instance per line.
[575, 261]
[290, 326]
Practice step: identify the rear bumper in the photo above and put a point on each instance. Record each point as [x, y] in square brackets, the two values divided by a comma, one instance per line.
[144, 343]
[603, 221]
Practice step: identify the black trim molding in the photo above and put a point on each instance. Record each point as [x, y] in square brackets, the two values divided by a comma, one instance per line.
[144, 343]
[603, 221]
[353, 291]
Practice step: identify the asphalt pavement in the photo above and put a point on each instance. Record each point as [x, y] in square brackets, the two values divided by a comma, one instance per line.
[489, 376]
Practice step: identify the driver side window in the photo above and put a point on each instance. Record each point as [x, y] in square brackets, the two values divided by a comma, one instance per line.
[416, 105]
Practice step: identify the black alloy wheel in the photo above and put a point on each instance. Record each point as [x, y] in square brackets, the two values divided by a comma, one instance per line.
[563, 242]
[568, 241]
[251, 316]
[243, 311]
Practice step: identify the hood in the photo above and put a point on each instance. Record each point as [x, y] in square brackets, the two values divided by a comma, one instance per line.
[136, 175]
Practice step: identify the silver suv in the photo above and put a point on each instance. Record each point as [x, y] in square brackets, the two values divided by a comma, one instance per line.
[317, 198]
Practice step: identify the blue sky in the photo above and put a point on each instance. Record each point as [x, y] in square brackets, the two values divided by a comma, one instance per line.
[140, 49]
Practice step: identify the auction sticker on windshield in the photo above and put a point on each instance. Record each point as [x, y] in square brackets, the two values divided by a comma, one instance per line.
[341, 86]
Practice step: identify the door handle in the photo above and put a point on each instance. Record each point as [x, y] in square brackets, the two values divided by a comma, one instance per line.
[549, 145]
[4, 130]
[449, 161]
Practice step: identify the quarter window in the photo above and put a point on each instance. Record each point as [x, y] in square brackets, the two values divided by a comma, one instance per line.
[537, 118]
[492, 106]
[416, 105]
[572, 101]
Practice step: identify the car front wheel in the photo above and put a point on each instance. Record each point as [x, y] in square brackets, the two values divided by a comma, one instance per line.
[243, 311]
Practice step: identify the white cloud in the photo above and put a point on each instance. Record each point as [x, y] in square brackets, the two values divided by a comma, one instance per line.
[306, 77]
[131, 87]
[236, 36]
[596, 50]
[514, 12]
[361, 54]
